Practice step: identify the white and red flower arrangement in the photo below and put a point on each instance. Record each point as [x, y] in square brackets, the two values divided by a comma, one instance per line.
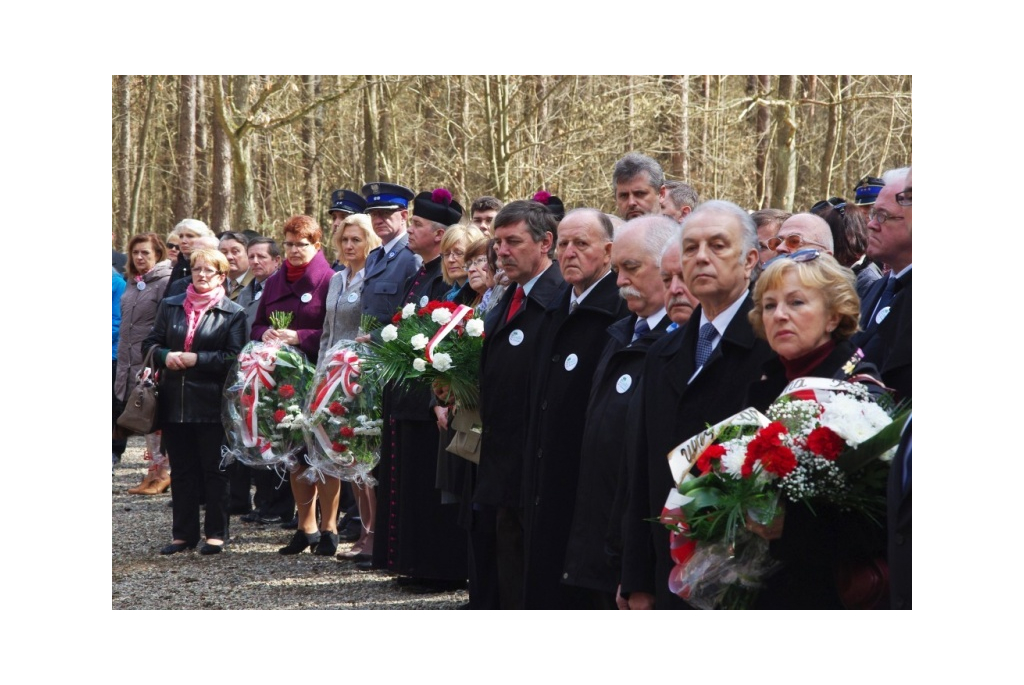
[439, 343]
[342, 416]
[822, 441]
[262, 408]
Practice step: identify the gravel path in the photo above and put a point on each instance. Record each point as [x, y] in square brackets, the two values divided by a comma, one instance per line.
[249, 574]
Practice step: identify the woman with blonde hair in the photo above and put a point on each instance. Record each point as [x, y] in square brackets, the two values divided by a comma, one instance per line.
[454, 244]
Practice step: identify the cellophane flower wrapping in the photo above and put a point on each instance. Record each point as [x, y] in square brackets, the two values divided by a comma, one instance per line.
[262, 407]
[439, 344]
[822, 441]
[343, 416]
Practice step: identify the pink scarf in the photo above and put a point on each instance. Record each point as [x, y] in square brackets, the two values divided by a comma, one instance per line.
[196, 305]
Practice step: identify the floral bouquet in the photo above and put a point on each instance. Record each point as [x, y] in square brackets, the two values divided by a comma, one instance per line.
[439, 343]
[342, 417]
[262, 408]
[822, 441]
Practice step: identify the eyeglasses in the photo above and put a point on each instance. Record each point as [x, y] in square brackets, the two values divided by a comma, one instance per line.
[820, 206]
[793, 241]
[297, 246]
[798, 256]
[207, 272]
[880, 216]
[904, 199]
[454, 253]
[476, 263]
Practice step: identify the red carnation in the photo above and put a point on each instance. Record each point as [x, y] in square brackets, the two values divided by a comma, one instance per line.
[339, 447]
[712, 452]
[767, 440]
[286, 391]
[337, 408]
[279, 415]
[397, 318]
[779, 460]
[824, 442]
[347, 432]
[441, 196]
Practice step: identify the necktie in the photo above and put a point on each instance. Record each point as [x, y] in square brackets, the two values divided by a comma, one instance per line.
[883, 302]
[517, 301]
[704, 340]
[640, 330]
[371, 260]
[256, 288]
[574, 306]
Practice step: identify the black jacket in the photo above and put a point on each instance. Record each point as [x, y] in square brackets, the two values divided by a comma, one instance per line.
[194, 395]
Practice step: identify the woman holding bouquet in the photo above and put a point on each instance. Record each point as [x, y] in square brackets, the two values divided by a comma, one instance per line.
[148, 274]
[300, 289]
[806, 307]
[197, 337]
[352, 242]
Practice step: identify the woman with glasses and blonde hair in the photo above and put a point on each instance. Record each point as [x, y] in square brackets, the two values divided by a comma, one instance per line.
[806, 307]
[197, 337]
[453, 257]
[353, 241]
[300, 288]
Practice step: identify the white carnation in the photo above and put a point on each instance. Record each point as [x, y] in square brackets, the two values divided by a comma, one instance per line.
[475, 328]
[853, 420]
[735, 455]
[441, 316]
[408, 310]
[419, 364]
[442, 362]
[389, 333]
[419, 341]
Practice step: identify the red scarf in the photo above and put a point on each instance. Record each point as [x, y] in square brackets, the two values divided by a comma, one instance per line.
[294, 273]
[196, 304]
[802, 366]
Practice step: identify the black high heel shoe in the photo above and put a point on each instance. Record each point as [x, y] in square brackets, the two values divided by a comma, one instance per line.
[300, 541]
[176, 547]
[328, 545]
[208, 549]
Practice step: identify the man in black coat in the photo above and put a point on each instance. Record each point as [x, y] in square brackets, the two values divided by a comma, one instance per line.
[574, 327]
[886, 315]
[634, 257]
[524, 234]
[695, 377]
[417, 536]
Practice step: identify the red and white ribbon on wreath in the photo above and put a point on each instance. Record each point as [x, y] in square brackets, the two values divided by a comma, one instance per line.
[342, 370]
[256, 368]
[460, 313]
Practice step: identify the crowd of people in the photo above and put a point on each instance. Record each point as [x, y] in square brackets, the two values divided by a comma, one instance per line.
[609, 340]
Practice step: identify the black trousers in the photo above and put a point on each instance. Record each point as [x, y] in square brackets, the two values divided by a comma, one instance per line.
[510, 554]
[194, 452]
[117, 445]
[484, 589]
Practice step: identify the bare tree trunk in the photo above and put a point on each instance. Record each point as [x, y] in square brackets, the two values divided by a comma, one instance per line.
[785, 145]
[220, 209]
[243, 185]
[762, 127]
[185, 192]
[202, 208]
[311, 188]
[124, 159]
[371, 133]
[141, 156]
[630, 112]
[828, 160]
[678, 161]
[384, 143]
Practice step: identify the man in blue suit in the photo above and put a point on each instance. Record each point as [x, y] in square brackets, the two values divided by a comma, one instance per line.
[388, 266]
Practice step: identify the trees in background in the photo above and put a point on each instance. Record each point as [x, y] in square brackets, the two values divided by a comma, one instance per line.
[249, 151]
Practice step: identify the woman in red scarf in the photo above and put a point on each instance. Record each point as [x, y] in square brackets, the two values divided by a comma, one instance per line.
[197, 337]
[301, 288]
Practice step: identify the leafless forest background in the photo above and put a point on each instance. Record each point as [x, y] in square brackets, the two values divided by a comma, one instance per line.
[248, 151]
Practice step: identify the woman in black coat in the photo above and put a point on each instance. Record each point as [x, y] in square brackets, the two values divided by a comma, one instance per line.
[806, 307]
[197, 336]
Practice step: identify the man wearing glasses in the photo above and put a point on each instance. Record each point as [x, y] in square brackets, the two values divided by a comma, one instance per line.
[800, 232]
[886, 309]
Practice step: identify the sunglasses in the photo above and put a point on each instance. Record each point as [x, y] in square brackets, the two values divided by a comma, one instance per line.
[799, 256]
[793, 241]
[173, 246]
[820, 206]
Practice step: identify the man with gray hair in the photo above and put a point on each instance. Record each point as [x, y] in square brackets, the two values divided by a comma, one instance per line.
[702, 373]
[637, 180]
[594, 547]
[677, 199]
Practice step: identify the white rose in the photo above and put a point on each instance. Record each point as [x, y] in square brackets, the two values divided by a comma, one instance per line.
[475, 328]
[442, 362]
[419, 364]
[419, 341]
[441, 316]
[408, 310]
[389, 333]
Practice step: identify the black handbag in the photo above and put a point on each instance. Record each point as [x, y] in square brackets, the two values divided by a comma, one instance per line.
[139, 415]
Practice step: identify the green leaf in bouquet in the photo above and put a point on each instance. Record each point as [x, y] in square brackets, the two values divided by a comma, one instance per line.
[281, 319]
